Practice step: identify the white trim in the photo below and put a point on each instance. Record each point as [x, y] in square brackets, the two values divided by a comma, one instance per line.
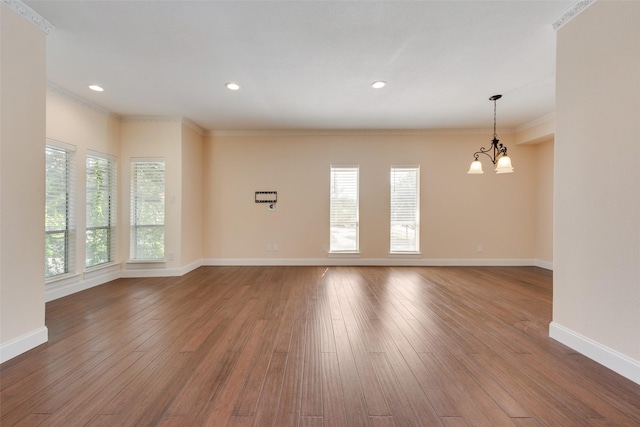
[422, 262]
[29, 14]
[159, 272]
[159, 263]
[151, 119]
[617, 362]
[344, 254]
[101, 269]
[547, 265]
[405, 255]
[61, 280]
[540, 120]
[129, 272]
[188, 123]
[23, 343]
[54, 143]
[101, 155]
[94, 277]
[355, 132]
[79, 100]
[574, 10]
[100, 275]
[163, 119]
[190, 267]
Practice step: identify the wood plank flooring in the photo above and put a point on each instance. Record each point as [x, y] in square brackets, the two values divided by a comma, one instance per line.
[312, 346]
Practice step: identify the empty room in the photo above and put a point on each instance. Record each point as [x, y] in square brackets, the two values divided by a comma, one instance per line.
[319, 213]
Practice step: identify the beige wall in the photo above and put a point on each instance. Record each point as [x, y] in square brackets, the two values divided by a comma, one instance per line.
[459, 211]
[597, 200]
[544, 203]
[192, 163]
[150, 138]
[541, 136]
[22, 168]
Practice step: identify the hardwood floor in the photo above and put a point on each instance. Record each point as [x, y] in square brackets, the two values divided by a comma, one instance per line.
[313, 346]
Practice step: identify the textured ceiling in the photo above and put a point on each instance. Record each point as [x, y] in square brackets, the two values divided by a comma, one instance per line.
[309, 64]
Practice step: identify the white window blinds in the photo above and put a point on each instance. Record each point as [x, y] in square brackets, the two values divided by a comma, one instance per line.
[344, 209]
[59, 211]
[405, 209]
[100, 210]
[147, 209]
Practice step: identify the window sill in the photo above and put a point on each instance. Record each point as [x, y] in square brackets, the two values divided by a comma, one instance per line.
[145, 264]
[62, 279]
[106, 265]
[100, 269]
[146, 261]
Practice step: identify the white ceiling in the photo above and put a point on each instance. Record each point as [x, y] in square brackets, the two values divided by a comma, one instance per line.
[309, 64]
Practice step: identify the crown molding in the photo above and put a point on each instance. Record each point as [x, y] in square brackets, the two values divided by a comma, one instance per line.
[573, 11]
[151, 119]
[163, 119]
[354, 132]
[79, 100]
[536, 122]
[188, 123]
[29, 14]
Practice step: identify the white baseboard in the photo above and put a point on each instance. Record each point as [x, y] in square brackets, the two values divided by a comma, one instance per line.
[81, 282]
[129, 272]
[617, 362]
[547, 265]
[190, 267]
[24, 343]
[395, 261]
[86, 280]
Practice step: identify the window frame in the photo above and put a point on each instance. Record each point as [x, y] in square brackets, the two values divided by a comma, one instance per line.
[111, 190]
[69, 231]
[396, 217]
[335, 203]
[135, 254]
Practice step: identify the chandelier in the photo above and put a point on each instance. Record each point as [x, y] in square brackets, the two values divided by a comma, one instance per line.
[497, 152]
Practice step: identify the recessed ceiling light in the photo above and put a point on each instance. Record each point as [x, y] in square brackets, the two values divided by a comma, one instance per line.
[379, 84]
[232, 86]
[96, 88]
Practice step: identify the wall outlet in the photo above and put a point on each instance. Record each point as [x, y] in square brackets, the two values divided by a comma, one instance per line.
[170, 256]
[479, 248]
[323, 248]
[269, 248]
[275, 247]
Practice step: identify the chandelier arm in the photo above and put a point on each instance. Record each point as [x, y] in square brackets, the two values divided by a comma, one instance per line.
[486, 153]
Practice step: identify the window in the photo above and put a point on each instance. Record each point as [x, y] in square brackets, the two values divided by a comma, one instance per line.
[147, 209]
[343, 214]
[405, 209]
[101, 210]
[59, 212]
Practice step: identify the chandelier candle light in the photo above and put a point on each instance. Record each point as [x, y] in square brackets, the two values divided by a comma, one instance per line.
[497, 153]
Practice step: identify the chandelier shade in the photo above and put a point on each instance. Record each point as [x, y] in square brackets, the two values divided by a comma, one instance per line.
[476, 167]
